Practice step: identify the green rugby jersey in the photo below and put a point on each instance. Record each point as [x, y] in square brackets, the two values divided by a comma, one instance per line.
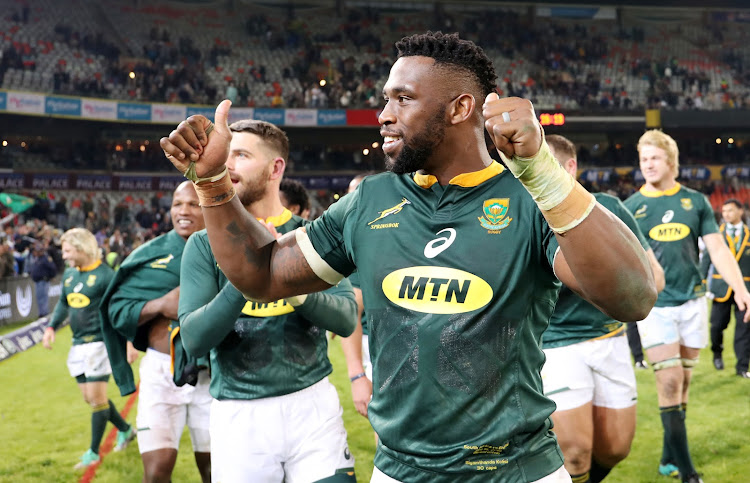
[458, 285]
[576, 320]
[354, 280]
[262, 350]
[82, 292]
[672, 221]
[152, 270]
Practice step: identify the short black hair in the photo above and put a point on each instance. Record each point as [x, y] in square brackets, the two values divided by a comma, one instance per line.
[733, 201]
[449, 49]
[295, 193]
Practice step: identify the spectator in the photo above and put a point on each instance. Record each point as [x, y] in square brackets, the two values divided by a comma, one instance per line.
[7, 262]
[42, 269]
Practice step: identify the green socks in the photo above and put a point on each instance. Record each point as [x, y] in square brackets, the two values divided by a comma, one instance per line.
[598, 472]
[116, 419]
[675, 438]
[99, 418]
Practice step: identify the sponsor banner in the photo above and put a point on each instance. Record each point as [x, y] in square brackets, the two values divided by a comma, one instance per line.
[50, 181]
[742, 172]
[203, 111]
[332, 117]
[362, 117]
[169, 183]
[597, 13]
[18, 303]
[93, 182]
[18, 299]
[340, 182]
[274, 116]
[21, 339]
[96, 109]
[25, 103]
[62, 106]
[695, 172]
[12, 180]
[3, 101]
[300, 117]
[133, 112]
[317, 182]
[135, 183]
[240, 113]
[597, 175]
[168, 113]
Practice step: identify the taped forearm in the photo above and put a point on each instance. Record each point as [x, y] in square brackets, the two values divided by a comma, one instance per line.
[204, 328]
[336, 313]
[563, 201]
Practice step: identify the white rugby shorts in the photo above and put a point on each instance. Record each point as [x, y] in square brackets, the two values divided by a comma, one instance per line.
[295, 438]
[165, 408]
[597, 371]
[686, 324]
[89, 359]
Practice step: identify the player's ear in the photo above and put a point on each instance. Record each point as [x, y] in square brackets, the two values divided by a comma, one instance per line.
[461, 108]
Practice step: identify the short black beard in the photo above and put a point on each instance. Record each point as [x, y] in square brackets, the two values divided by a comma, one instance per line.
[408, 160]
[413, 158]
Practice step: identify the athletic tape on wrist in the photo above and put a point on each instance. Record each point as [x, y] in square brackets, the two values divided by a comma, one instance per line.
[563, 201]
[297, 300]
[217, 192]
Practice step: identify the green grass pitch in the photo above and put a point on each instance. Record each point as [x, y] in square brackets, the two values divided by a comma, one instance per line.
[44, 424]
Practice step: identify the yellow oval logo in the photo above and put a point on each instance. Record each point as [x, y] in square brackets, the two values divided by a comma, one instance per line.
[436, 290]
[255, 309]
[668, 232]
[78, 300]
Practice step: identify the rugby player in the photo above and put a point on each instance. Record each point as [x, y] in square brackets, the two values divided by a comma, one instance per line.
[455, 256]
[275, 416]
[294, 197]
[356, 347]
[140, 306]
[588, 371]
[673, 217]
[83, 285]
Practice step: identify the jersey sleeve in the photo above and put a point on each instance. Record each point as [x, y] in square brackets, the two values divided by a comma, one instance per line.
[328, 253]
[334, 309]
[707, 218]
[206, 311]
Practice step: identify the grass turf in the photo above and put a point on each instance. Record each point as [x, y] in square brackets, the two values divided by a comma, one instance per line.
[45, 425]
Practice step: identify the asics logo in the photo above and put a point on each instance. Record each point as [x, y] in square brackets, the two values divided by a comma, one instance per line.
[439, 245]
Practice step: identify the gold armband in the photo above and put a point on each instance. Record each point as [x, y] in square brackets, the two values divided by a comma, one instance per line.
[215, 191]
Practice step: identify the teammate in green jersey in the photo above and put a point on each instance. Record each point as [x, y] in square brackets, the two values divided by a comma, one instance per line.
[455, 261]
[275, 416]
[588, 371]
[83, 285]
[673, 217]
[140, 306]
[356, 347]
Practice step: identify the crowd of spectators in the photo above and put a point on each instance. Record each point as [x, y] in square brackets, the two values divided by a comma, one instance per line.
[560, 59]
[120, 224]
